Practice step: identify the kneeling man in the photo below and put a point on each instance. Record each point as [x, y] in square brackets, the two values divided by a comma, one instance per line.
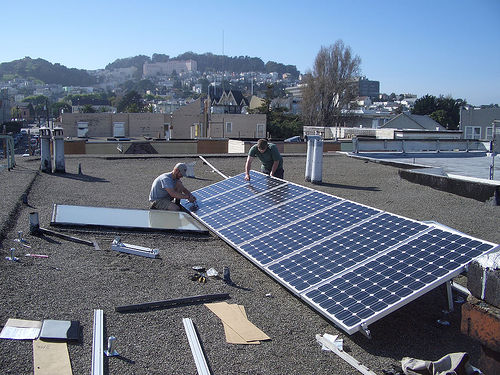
[167, 190]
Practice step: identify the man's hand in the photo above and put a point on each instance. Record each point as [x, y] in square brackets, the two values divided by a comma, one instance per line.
[247, 176]
[191, 198]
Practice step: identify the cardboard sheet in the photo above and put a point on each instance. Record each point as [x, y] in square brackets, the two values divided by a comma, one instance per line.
[51, 358]
[232, 337]
[20, 329]
[236, 320]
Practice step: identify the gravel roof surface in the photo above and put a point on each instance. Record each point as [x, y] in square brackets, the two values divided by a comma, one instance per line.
[76, 279]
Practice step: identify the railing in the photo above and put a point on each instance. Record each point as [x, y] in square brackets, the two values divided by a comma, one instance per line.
[417, 145]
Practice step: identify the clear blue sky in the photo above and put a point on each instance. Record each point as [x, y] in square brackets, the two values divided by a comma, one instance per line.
[438, 47]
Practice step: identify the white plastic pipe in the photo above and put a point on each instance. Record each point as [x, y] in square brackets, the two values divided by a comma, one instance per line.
[317, 162]
[46, 165]
[59, 164]
[309, 159]
[310, 145]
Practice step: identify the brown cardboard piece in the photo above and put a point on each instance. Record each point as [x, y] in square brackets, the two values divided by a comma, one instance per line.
[240, 329]
[232, 337]
[51, 357]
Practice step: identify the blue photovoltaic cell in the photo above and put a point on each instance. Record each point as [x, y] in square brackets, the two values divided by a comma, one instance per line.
[338, 253]
[388, 279]
[351, 262]
[270, 220]
[286, 240]
[225, 185]
[271, 198]
[226, 192]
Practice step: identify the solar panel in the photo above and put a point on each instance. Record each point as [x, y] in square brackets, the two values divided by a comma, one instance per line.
[352, 263]
[124, 218]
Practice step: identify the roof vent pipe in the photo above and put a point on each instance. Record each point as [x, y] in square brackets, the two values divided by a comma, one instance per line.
[46, 164]
[58, 148]
[317, 162]
[309, 159]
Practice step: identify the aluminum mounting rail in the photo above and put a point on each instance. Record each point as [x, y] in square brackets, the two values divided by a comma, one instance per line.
[194, 343]
[211, 166]
[97, 343]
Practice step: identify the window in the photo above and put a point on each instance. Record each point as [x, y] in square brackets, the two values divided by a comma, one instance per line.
[229, 127]
[472, 132]
[197, 130]
[260, 131]
[489, 133]
[118, 129]
[82, 129]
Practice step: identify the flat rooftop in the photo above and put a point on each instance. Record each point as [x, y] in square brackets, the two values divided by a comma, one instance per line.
[75, 279]
[472, 165]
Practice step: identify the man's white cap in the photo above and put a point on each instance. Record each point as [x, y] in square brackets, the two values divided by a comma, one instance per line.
[182, 168]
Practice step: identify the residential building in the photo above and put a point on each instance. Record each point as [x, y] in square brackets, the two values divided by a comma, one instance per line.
[295, 91]
[222, 101]
[477, 123]
[188, 122]
[24, 111]
[4, 106]
[95, 125]
[98, 105]
[409, 121]
[197, 120]
[290, 103]
[167, 68]
[230, 125]
[365, 87]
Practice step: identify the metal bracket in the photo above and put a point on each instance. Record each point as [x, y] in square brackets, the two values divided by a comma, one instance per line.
[346, 357]
[365, 331]
[118, 245]
[449, 293]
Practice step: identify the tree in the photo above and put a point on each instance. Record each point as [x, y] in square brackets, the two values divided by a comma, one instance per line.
[60, 107]
[425, 105]
[132, 102]
[281, 125]
[329, 87]
[87, 108]
[444, 110]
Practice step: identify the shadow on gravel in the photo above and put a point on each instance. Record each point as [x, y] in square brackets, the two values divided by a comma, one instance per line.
[340, 186]
[80, 177]
[125, 359]
[49, 239]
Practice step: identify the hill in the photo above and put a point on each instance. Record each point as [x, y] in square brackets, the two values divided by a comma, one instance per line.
[42, 70]
[208, 62]
[46, 72]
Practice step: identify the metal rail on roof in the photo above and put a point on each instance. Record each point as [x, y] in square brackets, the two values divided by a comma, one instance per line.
[97, 344]
[213, 168]
[194, 343]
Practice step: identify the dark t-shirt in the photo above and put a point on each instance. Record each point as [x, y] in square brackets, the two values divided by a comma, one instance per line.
[268, 157]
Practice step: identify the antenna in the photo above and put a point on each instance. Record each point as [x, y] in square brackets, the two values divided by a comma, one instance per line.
[223, 60]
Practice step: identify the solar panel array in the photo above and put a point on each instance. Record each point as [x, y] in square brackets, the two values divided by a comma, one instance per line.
[352, 263]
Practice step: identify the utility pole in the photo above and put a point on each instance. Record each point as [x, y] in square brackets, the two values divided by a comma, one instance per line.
[495, 146]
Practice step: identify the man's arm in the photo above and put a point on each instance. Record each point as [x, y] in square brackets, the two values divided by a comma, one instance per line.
[190, 197]
[274, 167]
[182, 194]
[248, 165]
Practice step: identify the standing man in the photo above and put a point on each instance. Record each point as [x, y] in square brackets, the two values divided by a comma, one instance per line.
[167, 190]
[269, 156]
